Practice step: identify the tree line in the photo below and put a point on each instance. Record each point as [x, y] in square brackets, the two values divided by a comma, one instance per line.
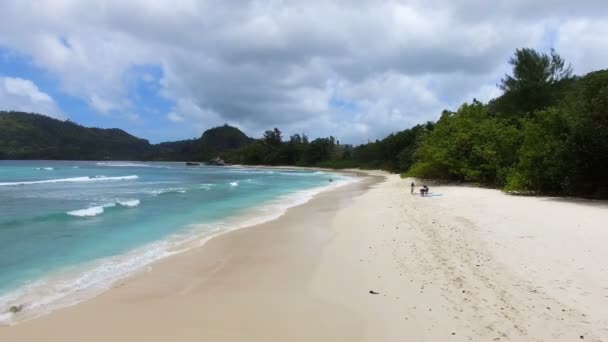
[547, 133]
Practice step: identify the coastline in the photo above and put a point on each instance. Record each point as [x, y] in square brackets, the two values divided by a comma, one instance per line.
[57, 291]
[211, 257]
[474, 264]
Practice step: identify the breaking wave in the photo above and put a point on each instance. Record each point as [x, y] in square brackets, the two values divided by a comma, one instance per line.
[71, 180]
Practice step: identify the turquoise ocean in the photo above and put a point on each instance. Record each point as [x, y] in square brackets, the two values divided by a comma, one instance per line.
[69, 229]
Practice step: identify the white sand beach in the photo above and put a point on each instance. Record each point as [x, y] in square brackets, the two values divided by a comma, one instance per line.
[470, 265]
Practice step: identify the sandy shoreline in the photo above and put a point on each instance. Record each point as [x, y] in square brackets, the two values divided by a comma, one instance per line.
[472, 265]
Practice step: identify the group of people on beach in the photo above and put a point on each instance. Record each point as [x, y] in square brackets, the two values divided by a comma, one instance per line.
[424, 191]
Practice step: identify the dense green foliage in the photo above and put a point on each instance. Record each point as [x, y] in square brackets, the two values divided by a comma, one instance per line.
[548, 133]
[272, 150]
[468, 145]
[565, 148]
[394, 153]
[538, 81]
[33, 136]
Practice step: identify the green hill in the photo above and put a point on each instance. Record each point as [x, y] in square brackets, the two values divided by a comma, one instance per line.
[211, 144]
[34, 136]
[218, 140]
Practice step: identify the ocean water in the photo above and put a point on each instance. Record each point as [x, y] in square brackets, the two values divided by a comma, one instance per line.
[68, 230]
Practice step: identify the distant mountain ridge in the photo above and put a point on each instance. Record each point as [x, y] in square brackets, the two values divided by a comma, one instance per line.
[35, 136]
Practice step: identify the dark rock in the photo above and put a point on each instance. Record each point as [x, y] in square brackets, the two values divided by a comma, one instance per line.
[15, 308]
[217, 162]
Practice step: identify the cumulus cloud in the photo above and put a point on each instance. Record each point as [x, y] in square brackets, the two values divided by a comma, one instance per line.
[23, 95]
[355, 69]
[583, 43]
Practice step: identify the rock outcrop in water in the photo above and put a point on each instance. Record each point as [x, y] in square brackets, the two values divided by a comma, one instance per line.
[216, 162]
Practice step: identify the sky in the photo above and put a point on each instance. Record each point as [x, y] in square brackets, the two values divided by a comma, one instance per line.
[355, 69]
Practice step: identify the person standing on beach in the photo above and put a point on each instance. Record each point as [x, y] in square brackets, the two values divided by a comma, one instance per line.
[412, 190]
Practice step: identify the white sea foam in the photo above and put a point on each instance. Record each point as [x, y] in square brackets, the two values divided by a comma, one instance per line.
[123, 164]
[234, 183]
[73, 286]
[129, 203]
[301, 174]
[87, 212]
[131, 164]
[72, 180]
[157, 192]
[44, 169]
[99, 209]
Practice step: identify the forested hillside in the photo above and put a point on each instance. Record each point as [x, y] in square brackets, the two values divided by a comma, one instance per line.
[212, 143]
[33, 136]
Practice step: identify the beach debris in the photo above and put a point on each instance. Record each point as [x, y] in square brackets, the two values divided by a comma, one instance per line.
[15, 308]
[373, 292]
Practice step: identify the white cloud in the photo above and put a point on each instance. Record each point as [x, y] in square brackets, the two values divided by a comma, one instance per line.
[583, 43]
[262, 64]
[23, 95]
[101, 105]
[175, 117]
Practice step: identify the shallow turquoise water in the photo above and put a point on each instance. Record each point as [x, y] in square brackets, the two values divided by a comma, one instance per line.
[66, 226]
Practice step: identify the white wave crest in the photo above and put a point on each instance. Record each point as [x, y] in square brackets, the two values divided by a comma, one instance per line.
[127, 164]
[72, 180]
[167, 191]
[123, 164]
[301, 174]
[234, 183]
[87, 212]
[99, 209]
[129, 203]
